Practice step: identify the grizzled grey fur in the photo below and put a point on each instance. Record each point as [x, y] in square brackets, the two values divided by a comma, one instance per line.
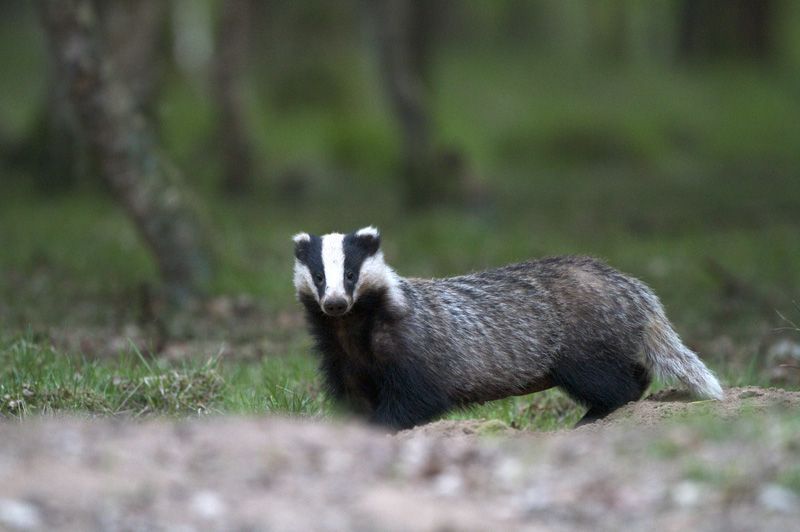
[403, 351]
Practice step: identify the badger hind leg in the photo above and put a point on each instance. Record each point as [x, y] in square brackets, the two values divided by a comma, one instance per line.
[603, 381]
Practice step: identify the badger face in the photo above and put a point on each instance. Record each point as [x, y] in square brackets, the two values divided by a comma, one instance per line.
[336, 269]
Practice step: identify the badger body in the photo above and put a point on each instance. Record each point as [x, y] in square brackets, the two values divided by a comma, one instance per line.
[403, 351]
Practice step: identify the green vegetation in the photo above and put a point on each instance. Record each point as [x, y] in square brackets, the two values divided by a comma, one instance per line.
[683, 175]
[790, 477]
[41, 380]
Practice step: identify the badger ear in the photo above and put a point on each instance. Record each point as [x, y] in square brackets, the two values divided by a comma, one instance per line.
[369, 238]
[302, 243]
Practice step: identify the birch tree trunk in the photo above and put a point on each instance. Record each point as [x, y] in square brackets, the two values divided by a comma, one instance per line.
[132, 34]
[124, 145]
[230, 61]
[404, 64]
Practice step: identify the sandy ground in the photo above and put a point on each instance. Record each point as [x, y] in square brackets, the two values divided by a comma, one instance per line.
[635, 471]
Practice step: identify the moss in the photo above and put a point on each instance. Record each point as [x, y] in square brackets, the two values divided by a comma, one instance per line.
[492, 427]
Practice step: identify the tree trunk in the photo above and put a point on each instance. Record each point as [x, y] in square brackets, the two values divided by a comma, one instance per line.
[133, 32]
[756, 28]
[710, 29]
[123, 144]
[403, 34]
[53, 151]
[230, 63]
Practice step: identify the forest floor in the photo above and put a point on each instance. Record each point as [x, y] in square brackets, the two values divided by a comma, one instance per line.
[662, 463]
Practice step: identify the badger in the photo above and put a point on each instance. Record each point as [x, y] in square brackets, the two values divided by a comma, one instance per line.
[403, 351]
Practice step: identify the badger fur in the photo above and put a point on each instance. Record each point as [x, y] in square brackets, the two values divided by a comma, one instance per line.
[403, 351]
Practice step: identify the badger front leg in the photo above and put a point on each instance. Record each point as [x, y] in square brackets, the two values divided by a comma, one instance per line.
[408, 396]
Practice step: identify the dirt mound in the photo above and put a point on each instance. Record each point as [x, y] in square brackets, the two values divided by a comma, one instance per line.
[675, 403]
[652, 410]
[468, 428]
[279, 474]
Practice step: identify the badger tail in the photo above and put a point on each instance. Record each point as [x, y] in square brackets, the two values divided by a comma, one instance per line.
[669, 359]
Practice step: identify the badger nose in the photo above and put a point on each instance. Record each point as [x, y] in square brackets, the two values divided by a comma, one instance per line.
[335, 306]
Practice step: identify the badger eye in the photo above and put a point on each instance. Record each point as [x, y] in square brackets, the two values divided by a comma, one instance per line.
[349, 276]
[318, 278]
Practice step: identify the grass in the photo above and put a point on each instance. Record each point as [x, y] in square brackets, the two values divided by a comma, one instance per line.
[40, 380]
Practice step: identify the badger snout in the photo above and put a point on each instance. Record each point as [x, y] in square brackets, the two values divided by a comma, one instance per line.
[335, 306]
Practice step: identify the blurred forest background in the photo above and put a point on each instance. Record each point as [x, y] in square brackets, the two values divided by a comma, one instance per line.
[156, 156]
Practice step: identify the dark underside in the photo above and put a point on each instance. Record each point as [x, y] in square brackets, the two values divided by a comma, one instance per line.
[389, 388]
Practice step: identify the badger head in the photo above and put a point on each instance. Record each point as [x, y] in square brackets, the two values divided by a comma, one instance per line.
[336, 270]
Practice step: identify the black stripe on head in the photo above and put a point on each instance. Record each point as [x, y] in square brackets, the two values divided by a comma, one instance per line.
[309, 252]
[357, 249]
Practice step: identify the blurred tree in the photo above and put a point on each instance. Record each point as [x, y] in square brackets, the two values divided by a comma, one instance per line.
[122, 142]
[134, 32]
[192, 27]
[405, 31]
[711, 29]
[52, 150]
[230, 64]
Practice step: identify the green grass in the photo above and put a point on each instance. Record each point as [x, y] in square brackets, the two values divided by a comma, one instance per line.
[287, 385]
[548, 410]
[38, 380]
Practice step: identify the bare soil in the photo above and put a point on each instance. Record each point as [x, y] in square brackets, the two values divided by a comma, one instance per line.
[635, 471]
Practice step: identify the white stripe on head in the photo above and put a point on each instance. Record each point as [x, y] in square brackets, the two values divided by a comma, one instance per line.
[333, 262]
[303, 281]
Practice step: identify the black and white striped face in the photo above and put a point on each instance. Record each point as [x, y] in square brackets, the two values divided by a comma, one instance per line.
[335, 269]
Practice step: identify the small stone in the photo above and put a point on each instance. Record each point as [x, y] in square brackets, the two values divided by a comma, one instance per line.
[508, 472]
[19, 515]
[535, 499]
[750, 393]
[208, 505]
[687, 494]
[779, 499]
[448, 484]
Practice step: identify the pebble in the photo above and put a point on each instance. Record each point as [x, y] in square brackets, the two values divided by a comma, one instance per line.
[779, 499]
[687, 494]
[448, 484]
[19, 515]
[208, 505]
